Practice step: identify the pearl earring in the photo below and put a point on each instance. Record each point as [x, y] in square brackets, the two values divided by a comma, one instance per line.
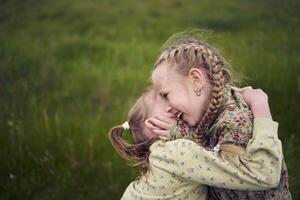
[198, 92]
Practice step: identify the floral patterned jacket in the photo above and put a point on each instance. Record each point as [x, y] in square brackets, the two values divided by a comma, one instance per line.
[234, 125]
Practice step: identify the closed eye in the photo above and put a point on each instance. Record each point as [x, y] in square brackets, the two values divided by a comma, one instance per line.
[164, 95]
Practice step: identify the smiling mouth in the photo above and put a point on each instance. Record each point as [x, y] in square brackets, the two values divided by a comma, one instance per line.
[179, 115]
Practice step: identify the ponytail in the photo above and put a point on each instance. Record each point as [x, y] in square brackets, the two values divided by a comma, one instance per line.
[233, 149]
[134, 154]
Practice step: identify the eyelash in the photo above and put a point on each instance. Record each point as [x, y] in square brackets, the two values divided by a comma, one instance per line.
[164, 95]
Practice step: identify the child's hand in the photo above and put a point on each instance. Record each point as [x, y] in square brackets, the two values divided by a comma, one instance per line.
[161, 126]
[257, 100]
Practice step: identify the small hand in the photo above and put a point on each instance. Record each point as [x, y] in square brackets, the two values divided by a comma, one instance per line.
[161, 126]
[257, 99]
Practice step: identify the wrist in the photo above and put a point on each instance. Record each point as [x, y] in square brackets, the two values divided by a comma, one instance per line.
[261, 111]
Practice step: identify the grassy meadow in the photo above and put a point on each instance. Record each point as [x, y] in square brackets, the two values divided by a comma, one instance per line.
[70, 70]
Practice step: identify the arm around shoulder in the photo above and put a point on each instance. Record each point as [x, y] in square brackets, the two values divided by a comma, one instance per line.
[264, 151]
[258, 169]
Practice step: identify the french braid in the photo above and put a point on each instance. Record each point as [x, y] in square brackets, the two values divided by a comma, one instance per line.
[189, 53]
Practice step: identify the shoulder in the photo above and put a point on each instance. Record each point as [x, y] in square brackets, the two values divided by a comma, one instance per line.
[235, 107]
[235, 123]
[171, 149]
[171, 144]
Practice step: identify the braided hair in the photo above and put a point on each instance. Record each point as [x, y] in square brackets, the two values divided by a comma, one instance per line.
[190, 53]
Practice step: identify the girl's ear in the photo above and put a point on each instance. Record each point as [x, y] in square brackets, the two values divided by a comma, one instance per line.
[197, 78]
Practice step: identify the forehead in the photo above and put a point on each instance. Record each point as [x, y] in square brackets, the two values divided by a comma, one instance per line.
[151, 102]
[159, 73]
[163, 75]
[149, 97]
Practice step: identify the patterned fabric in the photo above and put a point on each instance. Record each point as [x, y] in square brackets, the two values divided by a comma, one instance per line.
[182, 169]
[234, 125]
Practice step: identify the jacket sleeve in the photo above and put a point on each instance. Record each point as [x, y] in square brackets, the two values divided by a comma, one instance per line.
[258, 168]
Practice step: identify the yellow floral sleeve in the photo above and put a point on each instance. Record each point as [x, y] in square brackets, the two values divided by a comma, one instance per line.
[257, 169]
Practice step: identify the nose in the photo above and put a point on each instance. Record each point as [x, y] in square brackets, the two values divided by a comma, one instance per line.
[170, 111]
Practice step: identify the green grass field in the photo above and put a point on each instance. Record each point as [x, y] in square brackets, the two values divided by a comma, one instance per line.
[70, 70]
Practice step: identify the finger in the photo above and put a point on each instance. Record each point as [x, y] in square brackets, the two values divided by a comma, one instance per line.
[149, 124]
[163, 138]
[236, 88]
[247, 88]
[159, 123]
[164, 133]
[242, 90]
[170, 121]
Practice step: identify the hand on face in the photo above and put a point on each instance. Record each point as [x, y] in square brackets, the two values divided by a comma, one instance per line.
[161, 126]
[161, 120]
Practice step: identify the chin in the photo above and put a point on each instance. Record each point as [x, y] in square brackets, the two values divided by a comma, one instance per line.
[190, 122]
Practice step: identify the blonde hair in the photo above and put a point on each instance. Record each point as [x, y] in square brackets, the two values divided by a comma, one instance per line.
[136, 153]
[186, 53]
[233, 149]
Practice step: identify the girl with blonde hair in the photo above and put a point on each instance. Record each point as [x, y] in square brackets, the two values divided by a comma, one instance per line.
[181, 169]
[195, 81]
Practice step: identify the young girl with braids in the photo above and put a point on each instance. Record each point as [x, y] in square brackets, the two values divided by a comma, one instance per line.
[192, 78]
[181, 169]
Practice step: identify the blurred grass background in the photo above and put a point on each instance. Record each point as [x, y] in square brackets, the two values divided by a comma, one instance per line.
[70, 70]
